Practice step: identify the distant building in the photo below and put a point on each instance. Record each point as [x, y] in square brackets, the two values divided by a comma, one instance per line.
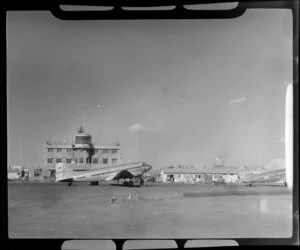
[190, 174]
[82, 153]
[184, 175]
[18, 173]
[253, 169]
[15, 167]
[13, 174]
[229, 173]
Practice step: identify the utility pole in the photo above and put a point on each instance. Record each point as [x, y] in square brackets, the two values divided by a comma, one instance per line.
[83, 121]
[117, 142]
[20, 152]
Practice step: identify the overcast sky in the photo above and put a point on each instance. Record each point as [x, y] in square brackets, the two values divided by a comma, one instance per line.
[171, 91]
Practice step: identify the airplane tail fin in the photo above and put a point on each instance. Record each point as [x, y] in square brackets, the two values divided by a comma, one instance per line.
[62, 171]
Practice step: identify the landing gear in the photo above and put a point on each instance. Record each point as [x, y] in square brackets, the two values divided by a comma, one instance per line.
[70, 183]
[133, 182]
[130, 184]
[142, 181]
[94, 183]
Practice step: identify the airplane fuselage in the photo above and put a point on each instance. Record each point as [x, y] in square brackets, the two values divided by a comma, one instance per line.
[107, 173]
[266, 177]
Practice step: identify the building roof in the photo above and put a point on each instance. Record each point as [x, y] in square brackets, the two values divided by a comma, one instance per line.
[254, 168]
[58, 145]
[13, 171]
[83, 135]
[194, 170]
[107, 147]
[70, 146]
[217, 169]
[15, 167]
[185, 170]
[226, 170]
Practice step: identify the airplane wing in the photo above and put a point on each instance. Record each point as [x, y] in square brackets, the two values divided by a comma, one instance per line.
[124, 171]
[121, 175]
[266, 177]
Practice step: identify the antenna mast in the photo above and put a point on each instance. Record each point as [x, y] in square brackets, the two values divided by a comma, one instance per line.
[117, 142]
[20, 152]
[82, 122]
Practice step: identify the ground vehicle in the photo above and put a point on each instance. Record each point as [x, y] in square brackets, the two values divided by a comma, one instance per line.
[133, 182]
[218, 182]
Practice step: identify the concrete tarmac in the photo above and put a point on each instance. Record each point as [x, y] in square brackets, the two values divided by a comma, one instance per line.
[55, 210]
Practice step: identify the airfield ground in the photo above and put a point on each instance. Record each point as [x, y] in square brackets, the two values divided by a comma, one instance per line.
[55, 210]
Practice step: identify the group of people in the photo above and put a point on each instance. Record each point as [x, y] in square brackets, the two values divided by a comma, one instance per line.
[24, 176]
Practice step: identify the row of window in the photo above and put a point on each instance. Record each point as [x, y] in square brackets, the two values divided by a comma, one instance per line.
[81, 160]
[59, 150]
[65, 150]
[188, 175]
[193, 175]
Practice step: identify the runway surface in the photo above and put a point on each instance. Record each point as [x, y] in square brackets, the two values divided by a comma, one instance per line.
[54, 210]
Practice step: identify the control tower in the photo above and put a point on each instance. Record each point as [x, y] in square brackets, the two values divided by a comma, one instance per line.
[82, 139]
[83, 154]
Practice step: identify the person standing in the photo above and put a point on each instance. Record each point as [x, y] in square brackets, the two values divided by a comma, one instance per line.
[22, 174]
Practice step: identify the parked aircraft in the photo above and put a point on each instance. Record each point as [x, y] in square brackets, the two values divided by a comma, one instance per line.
[268, 177]
[283, 175]
[129, 174]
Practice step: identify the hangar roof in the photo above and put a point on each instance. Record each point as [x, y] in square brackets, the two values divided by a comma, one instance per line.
[218, 170]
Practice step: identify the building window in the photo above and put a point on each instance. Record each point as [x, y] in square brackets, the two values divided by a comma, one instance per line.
[179, 176]
[37, 172]
[58, 160]
[69, 160]
[59, 150]
[50, 160]
[105, 151]
[64, 150]
[114, 161]
[96, 151]
[69, 150]
[95, 160]
[88, 160]
[50, 150]
[80, 160]
[76, 160]
[105, 160]
[114, 151]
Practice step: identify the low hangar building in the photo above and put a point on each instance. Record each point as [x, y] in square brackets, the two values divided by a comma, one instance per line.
[181, 174]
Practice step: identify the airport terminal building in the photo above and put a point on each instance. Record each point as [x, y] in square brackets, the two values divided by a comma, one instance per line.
[82, 153]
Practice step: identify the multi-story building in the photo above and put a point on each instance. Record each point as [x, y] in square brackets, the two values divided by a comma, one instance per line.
[82, 153]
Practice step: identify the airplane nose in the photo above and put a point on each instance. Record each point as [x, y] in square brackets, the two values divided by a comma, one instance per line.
[147, 166]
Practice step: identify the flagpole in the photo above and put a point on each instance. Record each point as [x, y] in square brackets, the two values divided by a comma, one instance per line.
[20, 152]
